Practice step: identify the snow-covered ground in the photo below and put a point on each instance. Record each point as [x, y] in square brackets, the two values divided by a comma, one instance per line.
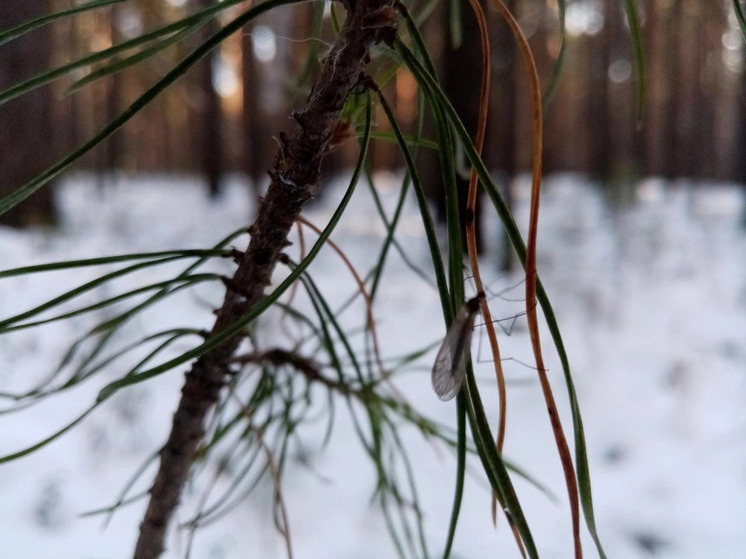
[651, 298]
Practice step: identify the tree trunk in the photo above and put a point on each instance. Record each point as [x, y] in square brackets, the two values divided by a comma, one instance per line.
[211, 137]
[110, 151]
[599, 121]
[462, 74]
[501, 145]
[671, 149]
[26, 134]
[739, 153]
[255, 134]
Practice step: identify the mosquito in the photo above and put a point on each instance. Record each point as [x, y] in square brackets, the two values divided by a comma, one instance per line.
[449, 369]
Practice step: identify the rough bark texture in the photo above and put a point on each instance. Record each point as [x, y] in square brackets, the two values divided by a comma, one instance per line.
[295, 180]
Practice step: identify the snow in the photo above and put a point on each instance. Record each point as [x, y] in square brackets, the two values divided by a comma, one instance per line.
[650, 293]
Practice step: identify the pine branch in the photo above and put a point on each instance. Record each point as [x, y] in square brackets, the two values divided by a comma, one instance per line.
[294, 181]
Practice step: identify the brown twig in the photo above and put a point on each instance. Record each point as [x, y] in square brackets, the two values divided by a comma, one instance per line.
[368, 306]
[279, 357]
[294, 181]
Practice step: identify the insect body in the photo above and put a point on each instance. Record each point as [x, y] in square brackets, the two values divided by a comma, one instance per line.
[449, 369]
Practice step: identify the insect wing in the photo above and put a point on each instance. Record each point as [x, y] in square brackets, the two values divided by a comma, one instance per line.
[449, 369]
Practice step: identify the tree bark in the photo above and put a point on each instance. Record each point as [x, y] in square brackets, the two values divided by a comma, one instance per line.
[294, 181]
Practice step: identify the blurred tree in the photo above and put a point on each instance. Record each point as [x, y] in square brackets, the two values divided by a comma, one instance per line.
[672, 71]
[601, 160]
[462, 75]
[255, 122]
[501, 142]
[110, 154]
[739, 153]
[211, 118]
[26, 131]
[252, 158]
[698, 129]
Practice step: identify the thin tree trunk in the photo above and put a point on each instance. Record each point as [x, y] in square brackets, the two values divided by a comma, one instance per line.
[739, 151]
[501, 146]
[600, 144]
[294, 181]
[462, 74]
[255, 159]
[211, 143]
[434, 32]
[671, 152]
[110, 152]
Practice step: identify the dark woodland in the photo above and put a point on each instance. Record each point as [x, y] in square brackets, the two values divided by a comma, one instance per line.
[223, 116]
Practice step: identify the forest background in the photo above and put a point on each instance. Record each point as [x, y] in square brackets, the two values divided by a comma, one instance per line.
[224, 116]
